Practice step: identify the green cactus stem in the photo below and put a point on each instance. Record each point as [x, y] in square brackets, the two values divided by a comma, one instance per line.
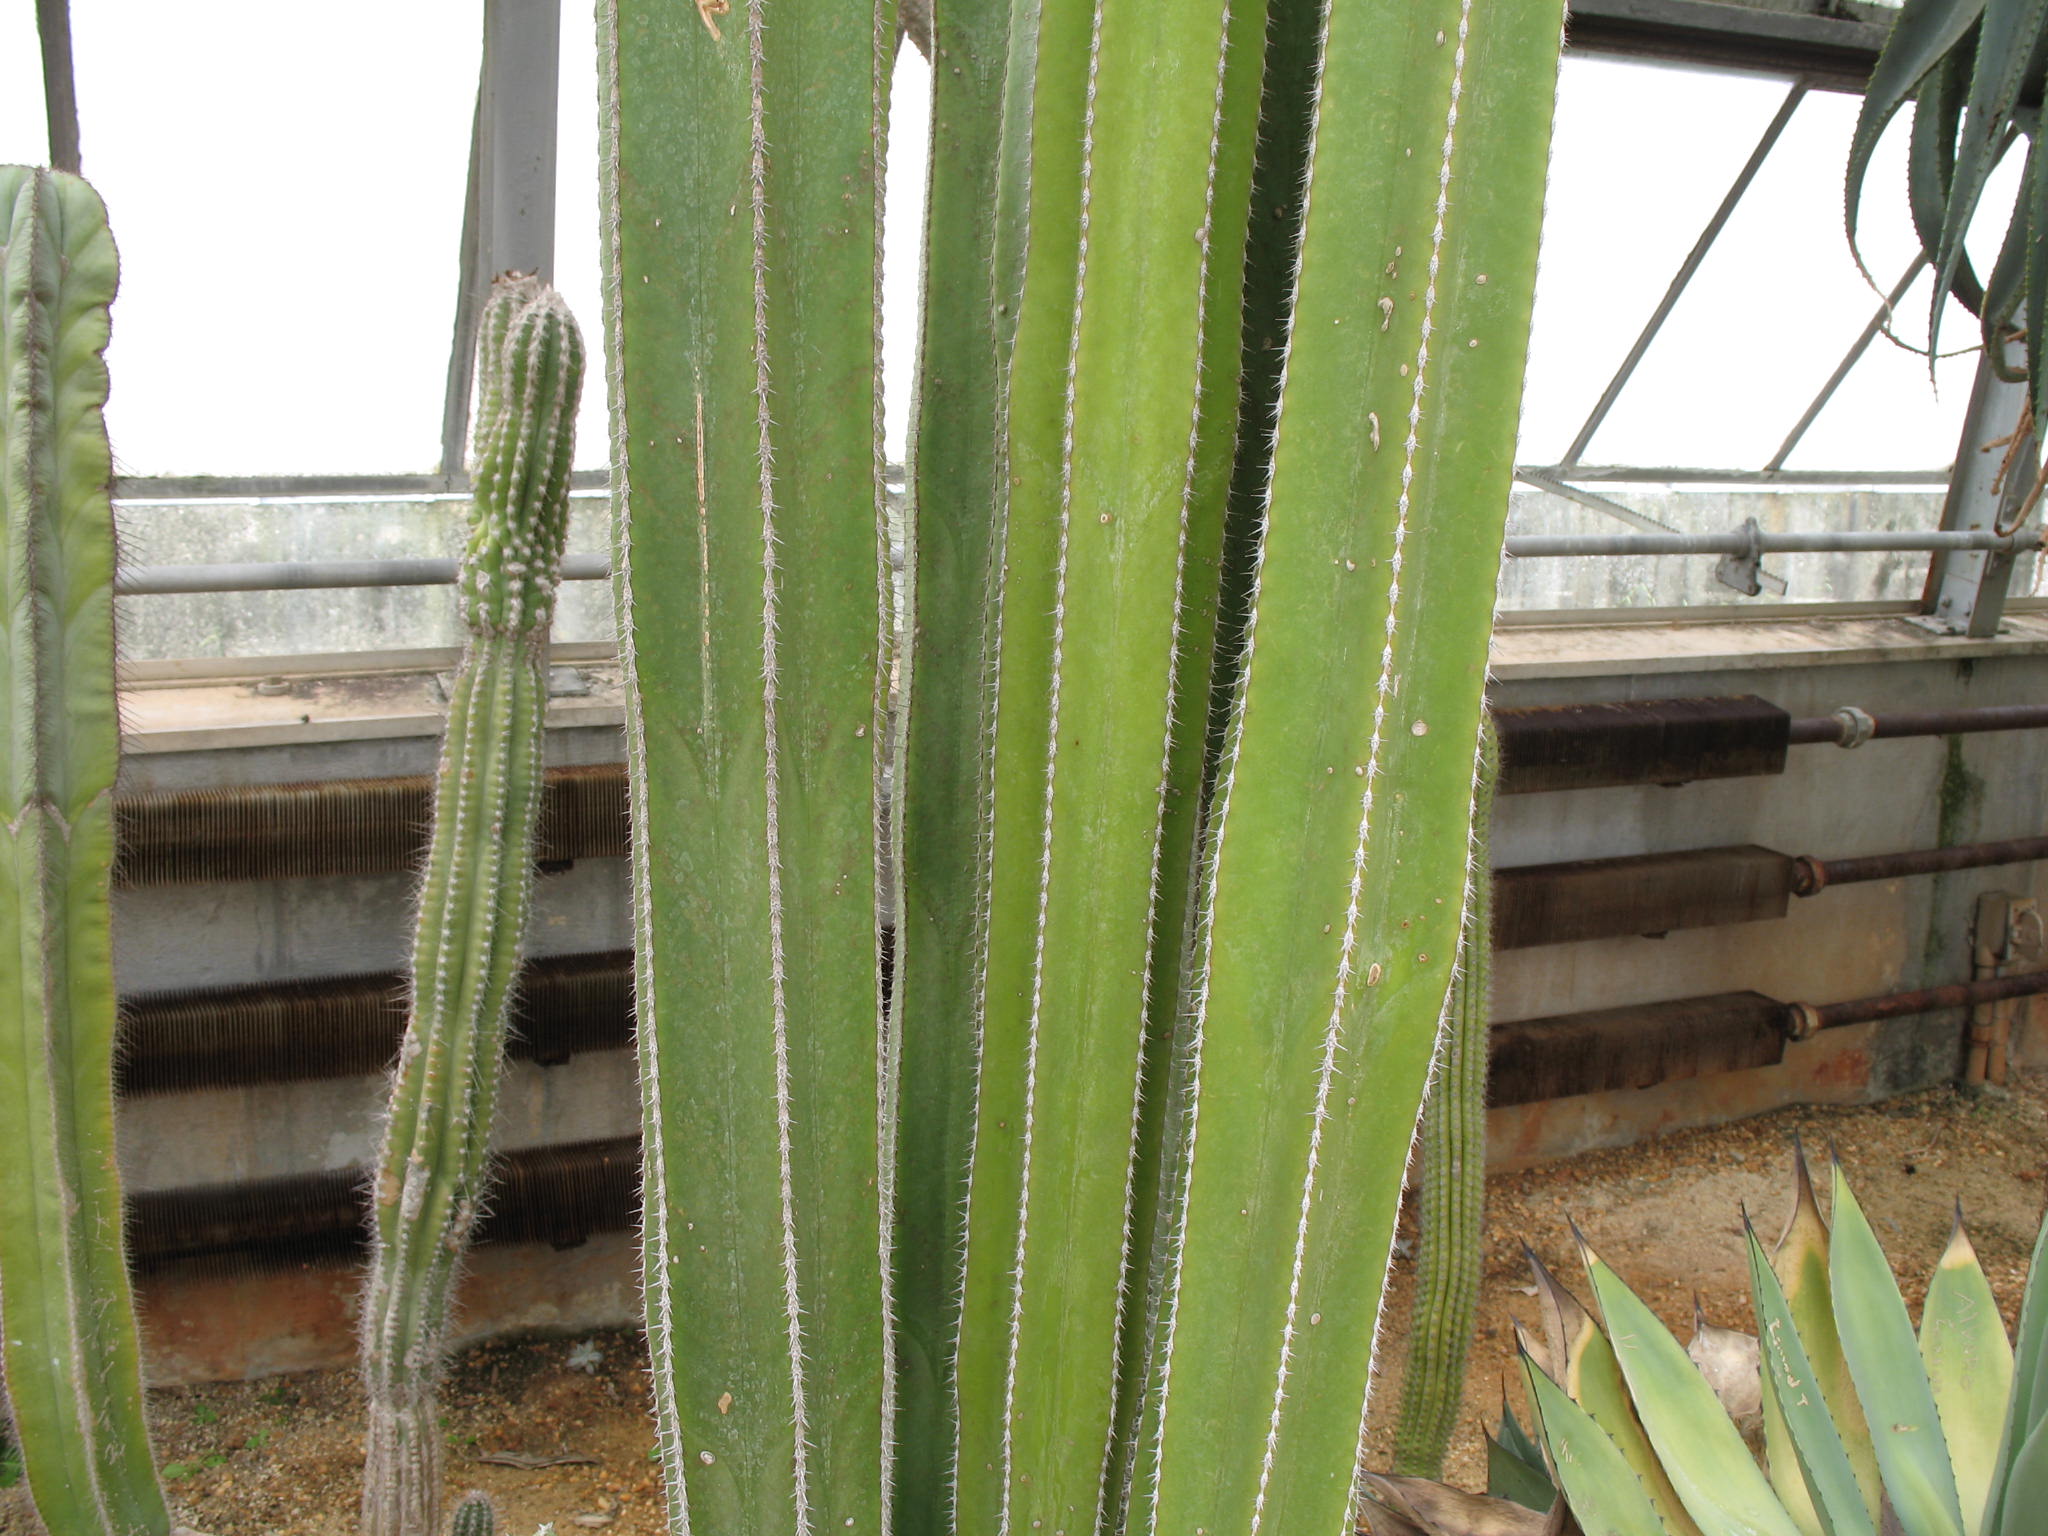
[72, 1359]
[475, 1515]
[1338, 867]
[741, 165]
[1453, 1200]
[432, 1170]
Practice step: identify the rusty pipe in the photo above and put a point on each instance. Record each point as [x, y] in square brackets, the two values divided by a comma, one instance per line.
[1851, 727]
[1810, 875]
[1805, 1019]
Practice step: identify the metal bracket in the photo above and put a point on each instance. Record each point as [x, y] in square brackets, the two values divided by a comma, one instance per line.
[1744, 571]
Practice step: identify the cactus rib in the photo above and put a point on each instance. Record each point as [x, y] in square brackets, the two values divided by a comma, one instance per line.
[1355, 540]
[432, 1168]
[1453, 1202]
[71, 1355]
[742, 180]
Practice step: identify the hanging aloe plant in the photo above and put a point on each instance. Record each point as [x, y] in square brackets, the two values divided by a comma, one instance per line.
[1973, 70]
[1066, 1233]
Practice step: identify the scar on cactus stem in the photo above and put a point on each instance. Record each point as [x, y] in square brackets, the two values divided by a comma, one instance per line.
[432, 1172]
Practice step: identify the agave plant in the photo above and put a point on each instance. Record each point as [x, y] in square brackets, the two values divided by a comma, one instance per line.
[1868, 1428]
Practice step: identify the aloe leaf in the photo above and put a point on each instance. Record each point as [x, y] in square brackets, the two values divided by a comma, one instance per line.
[1926, 32]
[2006, 289]
[2027, 1408]
[740, 167]
[2004, 44]
[1884, 1359]
[1333, 906]
[1812, 1448]
[1969, 1368]
[1931, 162]
[1599, 1484]
[1720, 1483]
[72, 1360]
[1801, 1265]
[1514, 1439]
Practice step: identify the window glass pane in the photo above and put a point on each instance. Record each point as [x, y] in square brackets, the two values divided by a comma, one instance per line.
[286, 186]
[1643, 156]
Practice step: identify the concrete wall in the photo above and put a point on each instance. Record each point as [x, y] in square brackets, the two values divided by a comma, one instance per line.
[1848, 942]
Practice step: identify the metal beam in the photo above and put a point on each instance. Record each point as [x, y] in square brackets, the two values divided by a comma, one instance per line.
[1849, 361]
[1831, 52]
[508, 219]
[1966, 589]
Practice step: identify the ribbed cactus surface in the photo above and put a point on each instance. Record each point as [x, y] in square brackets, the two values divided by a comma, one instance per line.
[71, 1356]
[1452, 1207]
[1119, 412]
[1338, 864]
[1180, 803]
[432, 1169]
[742, 174]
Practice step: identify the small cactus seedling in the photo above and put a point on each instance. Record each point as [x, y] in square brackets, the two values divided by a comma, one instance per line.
[72, 1359]
[473, 903]
[475, 1515]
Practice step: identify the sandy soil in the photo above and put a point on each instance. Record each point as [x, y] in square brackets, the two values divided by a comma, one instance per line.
[281, 1457]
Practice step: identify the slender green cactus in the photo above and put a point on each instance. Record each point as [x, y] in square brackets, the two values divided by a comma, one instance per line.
[473, 904]
[1453, 1203]
[72, 1359]
[475, 1515]
[742, 174]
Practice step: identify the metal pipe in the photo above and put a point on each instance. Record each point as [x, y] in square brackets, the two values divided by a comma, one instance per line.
[1805, 1018]
[1811, 876]
[1851, 727]
[1549, 546]
[301, 575]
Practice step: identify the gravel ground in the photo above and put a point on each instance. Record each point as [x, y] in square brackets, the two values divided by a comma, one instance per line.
[281, 1457]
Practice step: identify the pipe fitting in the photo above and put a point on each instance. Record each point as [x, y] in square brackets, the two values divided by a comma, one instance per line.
[1857, 726]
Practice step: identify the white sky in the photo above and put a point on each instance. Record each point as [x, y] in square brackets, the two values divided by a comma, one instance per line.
[286, 186]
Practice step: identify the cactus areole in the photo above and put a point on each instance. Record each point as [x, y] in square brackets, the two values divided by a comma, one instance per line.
[474, 895]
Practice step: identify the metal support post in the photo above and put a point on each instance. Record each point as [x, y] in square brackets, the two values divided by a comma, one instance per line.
[1966, 588]
[508, 216]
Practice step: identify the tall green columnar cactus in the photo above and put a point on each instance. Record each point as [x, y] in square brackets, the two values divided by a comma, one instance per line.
[1453, 1203]
[72, 1366]
[473, 904]
[1159, 1035]
[1338, 867]
[742, 169]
